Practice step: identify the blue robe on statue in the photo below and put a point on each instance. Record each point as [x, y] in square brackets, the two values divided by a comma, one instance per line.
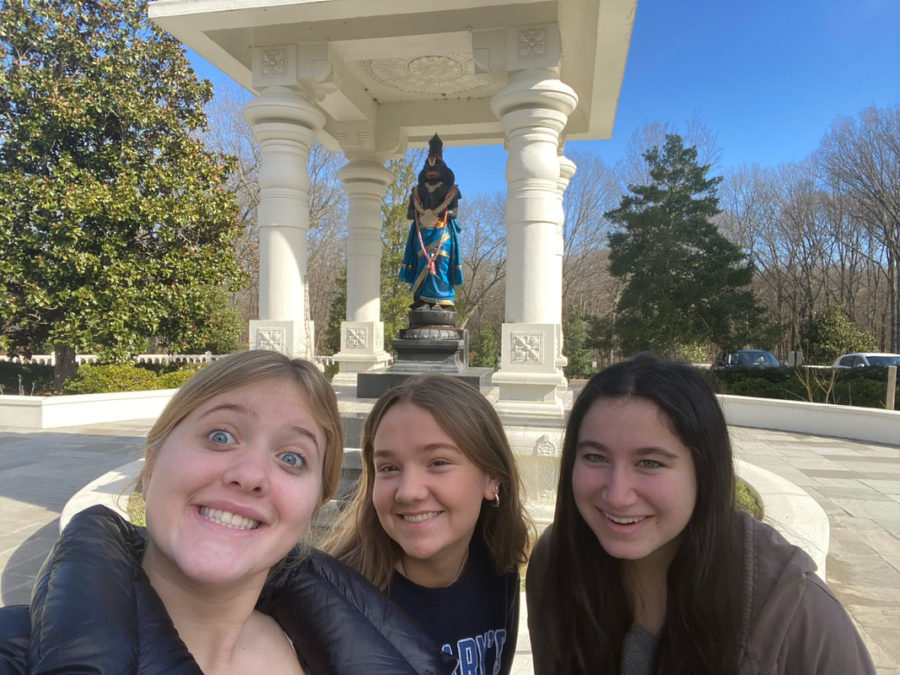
[431, 264]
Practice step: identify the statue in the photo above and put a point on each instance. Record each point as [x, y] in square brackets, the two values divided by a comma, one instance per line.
[431, 264]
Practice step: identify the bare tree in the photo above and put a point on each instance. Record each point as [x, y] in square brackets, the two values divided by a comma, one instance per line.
[230, 133]
[594, 190]
[862, 159]
[483, 247]
[633, 170]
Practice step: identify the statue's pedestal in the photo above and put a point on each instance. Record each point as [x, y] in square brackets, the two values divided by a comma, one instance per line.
[431, 344]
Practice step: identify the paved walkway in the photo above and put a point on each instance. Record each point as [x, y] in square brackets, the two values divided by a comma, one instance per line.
[857, 484]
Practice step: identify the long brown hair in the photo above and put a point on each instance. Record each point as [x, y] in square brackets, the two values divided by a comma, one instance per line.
[585, 608]
[471, 421]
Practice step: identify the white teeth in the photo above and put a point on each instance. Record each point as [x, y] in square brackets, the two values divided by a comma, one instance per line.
[227, 519]
[624, 521]
[419, 517]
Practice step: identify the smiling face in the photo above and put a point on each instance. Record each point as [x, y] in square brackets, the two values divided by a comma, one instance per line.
[427, 494]
[233, 487]
[633, 480]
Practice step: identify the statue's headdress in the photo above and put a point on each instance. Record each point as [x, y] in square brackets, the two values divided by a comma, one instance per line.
[435, 170]
[436, 147]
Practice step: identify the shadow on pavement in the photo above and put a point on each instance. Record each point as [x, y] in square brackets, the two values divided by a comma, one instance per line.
[24, 564]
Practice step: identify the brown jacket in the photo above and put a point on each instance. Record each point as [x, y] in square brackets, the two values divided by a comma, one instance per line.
[791, 623]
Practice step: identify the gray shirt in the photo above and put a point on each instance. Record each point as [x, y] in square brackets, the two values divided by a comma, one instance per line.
[638, 652]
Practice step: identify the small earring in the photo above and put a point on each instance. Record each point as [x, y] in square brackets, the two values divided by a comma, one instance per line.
[495, 502]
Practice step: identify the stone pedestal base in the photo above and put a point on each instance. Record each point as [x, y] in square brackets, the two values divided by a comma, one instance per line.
[373, 385]
[529, 379]
[291, 338]
[431, 344]
[361, 351]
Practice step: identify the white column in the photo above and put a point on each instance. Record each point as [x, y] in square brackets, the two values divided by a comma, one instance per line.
[284, 123]
[533, 110]
[566, 171]
[362, 335]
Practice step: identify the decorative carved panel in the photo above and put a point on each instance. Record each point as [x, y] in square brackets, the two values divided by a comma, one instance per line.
[274, 62]
[273, 339]
[357, 338]
[545, 447]
[434, 74]
[532, 42]
[274, 65]
[527, 348]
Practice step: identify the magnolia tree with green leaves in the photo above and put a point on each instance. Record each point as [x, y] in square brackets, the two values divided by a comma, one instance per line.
[830, 333]
[683, 282]
[112, 212]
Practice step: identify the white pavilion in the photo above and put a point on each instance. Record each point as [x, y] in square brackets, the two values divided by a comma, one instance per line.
[372, 78]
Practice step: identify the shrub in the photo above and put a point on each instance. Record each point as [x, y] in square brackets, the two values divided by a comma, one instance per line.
[746, 500]
[136, 509]
[859, 386]
[331, 370]
[175, 378]
[102, 379]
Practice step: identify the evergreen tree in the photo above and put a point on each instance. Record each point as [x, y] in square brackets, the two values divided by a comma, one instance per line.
[486, 347]
[576, 347]
[683, 281]
[336, 315]
[112, 209]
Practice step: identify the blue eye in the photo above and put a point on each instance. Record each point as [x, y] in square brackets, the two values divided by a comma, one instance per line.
[292, 459]
[221, 437]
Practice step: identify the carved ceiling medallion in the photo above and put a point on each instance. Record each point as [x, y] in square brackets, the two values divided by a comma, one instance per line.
[433, 74]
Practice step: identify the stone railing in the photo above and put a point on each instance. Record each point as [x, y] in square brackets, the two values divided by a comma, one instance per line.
[50, 359]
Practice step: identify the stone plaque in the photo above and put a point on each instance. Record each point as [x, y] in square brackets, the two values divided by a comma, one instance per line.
[527, 348]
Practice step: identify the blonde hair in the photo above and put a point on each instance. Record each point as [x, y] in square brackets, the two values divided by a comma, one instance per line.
[357, 537]
[243, 368]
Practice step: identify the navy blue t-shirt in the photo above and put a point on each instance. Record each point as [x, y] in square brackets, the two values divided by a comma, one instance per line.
[468, 619]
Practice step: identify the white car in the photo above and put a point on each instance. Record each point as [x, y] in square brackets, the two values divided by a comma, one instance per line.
[861, 359]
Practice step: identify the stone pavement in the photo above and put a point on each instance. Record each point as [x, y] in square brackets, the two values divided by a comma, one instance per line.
[857, 484]
[39, 472]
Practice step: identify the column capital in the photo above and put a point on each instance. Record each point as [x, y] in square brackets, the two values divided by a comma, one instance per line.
[533, 90]
[567, 169]
[365, 175]
[282, 107]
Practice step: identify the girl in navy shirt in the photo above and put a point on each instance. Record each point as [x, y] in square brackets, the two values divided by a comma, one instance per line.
[437, 521]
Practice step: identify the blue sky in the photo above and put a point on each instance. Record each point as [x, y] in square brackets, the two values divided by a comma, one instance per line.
[767, 77]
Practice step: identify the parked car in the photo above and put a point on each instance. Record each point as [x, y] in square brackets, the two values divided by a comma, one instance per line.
[749, 358]
[862, 359]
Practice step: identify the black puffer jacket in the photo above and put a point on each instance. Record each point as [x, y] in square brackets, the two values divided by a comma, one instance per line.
[93, 611]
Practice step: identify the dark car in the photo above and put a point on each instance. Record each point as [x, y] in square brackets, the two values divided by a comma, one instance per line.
[749, 358]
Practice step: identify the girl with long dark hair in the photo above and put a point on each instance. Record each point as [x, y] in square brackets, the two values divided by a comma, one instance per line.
[648, 567]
